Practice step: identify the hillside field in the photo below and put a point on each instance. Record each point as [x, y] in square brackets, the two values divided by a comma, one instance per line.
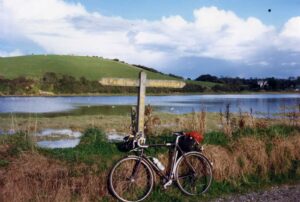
[92, 68]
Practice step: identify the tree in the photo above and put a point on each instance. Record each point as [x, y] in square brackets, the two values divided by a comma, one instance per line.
[208, 77]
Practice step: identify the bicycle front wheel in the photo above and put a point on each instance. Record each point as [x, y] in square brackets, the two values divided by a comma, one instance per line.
[131, 179]
[193, 173]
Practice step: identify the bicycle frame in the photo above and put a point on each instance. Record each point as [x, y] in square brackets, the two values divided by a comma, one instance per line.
[176, 172]
[169, 175]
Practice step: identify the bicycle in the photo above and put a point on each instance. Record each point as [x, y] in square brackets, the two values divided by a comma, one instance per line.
[132, 178]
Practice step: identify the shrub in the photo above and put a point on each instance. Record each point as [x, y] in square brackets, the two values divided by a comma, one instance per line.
[216, 138]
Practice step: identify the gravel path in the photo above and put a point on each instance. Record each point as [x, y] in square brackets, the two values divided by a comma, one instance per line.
[283, 193]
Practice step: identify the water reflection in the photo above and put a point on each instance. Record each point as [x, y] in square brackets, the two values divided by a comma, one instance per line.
[64, 143]
[265, 103]
[59, 132]
[67, 138]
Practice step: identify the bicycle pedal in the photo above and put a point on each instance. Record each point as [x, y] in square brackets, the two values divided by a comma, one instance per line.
[169, 183]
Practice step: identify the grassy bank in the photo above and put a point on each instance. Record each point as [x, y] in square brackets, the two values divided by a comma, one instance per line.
[250, 158]
[107, 118]
[50, 75]
[92, 68]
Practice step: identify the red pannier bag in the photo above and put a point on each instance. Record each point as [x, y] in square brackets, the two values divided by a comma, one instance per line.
[190, 141]
[197, 136]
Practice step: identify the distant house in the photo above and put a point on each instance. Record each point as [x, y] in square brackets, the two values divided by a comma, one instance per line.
[262, 83]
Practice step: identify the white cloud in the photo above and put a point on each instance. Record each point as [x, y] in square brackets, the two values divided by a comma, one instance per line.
[289, 38]
[232, 38]
[42, 9]
[68, 28]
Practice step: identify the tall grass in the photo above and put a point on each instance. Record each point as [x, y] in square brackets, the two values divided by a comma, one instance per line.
[59, 174]
[248, 153]
[243, 161]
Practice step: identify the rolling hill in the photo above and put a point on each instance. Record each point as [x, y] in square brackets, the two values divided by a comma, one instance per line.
[92, 68]
[68, 72]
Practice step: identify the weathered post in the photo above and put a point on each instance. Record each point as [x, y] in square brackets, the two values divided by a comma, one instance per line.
[142, 83]
[141, 103]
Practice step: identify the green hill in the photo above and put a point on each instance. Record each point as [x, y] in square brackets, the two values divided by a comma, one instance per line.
[92, 68]
[68, 72]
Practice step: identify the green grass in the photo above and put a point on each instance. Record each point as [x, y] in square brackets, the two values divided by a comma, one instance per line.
[3, 163]
[274, 131]
[94, 149]
[92, 68]
[204, 83]
[19, 142]
[269, 132]
[216, 138]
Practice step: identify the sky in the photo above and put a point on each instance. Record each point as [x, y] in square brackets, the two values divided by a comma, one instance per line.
[183, 37]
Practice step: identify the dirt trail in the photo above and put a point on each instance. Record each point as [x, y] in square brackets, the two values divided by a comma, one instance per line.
[283, 193]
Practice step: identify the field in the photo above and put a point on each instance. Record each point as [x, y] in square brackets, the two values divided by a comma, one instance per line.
[247, 154]
[250, 159]
[92, 68]
[78, 75]
[107, 122]
[204, 83]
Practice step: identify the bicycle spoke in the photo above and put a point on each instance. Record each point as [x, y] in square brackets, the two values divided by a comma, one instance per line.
[131, 180]
[193, 174]
[184, 176]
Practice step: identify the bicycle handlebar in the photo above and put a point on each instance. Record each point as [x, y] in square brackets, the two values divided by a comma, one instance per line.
[143, 145]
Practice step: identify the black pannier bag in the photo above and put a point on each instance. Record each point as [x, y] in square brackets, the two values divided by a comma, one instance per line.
[187, 143]
[127, 144]
[190, 141]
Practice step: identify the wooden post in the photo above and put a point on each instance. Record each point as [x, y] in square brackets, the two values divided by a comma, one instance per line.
[141, 83]
[141, 103]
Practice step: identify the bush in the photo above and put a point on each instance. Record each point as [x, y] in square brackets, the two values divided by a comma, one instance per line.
[216, 138]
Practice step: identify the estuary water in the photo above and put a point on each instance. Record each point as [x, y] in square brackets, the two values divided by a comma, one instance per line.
[178, 104]
[259, 104]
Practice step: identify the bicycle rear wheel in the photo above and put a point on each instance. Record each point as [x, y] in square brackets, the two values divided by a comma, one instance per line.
[193, 173]
[131, 179]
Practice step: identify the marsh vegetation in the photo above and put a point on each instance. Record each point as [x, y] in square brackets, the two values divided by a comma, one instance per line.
[247, 153]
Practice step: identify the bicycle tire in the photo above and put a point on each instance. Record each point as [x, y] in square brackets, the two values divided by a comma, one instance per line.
[193, 173]
[120, 179]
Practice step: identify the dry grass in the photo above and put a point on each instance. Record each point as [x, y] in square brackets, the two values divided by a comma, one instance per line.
[33, 177]
[78, 123]
[283, 152]
[224, 166]
[3, 150]
[248, 155]
[295, 140]
[251, 155]
[196, 121]
[160, 122]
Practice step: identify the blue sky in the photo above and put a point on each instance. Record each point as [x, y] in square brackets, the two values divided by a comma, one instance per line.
[185, 37]
[282, 10]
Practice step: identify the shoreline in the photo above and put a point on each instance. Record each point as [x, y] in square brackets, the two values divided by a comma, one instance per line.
[154, 94]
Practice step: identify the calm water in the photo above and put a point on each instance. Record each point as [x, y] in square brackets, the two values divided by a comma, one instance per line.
[57, 106]
[260, 103]
[64, 143]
